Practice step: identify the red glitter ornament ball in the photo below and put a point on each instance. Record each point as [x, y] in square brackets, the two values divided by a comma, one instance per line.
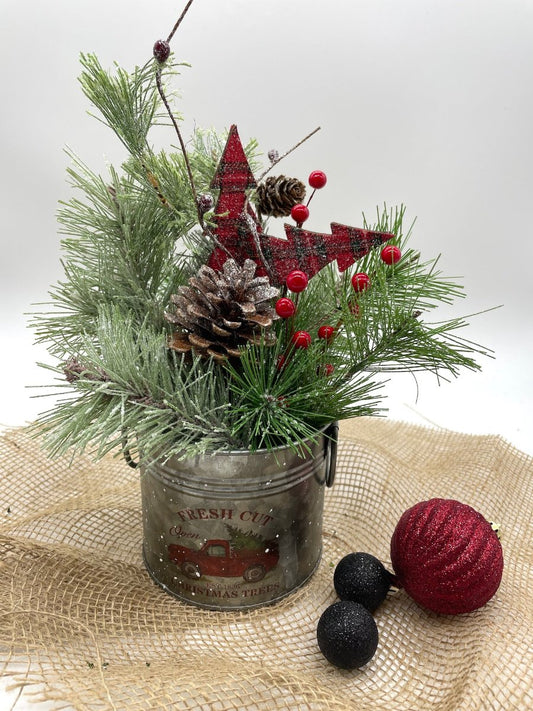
[301, 339]
[446, 556]
[297, 281]
[317, 179]
[360, 281]
[300, 213]
[391, 254]
[285, 308]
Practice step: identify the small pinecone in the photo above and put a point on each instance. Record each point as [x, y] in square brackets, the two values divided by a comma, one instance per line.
[74, 370]
[277, 196]
[220, 311]
[161, 51]
[205, 202]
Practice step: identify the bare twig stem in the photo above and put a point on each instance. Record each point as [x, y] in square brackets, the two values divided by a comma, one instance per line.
[250, 226]
[182, 144]
[178, 22]
[287, 153]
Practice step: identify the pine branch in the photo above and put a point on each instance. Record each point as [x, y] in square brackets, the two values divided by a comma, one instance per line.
[286, 406]
[127, 380]
[127, 102]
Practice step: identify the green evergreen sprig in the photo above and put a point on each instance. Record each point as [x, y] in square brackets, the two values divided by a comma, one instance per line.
[130, 386]
[127, 101]
[288, 406]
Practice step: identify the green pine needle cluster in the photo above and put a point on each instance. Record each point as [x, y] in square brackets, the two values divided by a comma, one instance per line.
[131, 238]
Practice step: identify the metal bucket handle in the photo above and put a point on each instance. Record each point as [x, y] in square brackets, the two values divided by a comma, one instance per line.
[126, 452]
[331, 440]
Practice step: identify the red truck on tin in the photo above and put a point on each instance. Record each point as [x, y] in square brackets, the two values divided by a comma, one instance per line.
[218, 558]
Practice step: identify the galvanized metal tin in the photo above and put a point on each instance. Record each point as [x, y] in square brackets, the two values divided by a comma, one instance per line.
[237, 529]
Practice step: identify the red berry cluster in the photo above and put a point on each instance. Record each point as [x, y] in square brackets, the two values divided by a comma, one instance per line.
[296, 282]
[300, 212]
[390, 254]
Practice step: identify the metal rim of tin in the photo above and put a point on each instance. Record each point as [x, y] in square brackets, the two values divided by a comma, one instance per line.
[330, 432]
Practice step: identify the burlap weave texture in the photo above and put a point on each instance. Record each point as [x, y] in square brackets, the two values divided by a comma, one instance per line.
[82, 623]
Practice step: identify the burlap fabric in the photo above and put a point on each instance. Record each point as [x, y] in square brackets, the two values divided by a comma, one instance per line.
[82, 623]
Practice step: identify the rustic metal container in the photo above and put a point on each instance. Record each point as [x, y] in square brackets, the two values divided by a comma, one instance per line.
[237, 529]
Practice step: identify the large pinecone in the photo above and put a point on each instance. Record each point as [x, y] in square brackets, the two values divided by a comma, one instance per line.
[220, 311]
[277, 196]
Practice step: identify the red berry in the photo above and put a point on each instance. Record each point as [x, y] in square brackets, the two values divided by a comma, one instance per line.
[327, 370]
[301, 339]
[326, 332]
[161, 51]
[354, 307]
[391, 254]
[297, 281]
[281, 362]
[317, 179]
[360, 282]
[285, 307]
[300, 213]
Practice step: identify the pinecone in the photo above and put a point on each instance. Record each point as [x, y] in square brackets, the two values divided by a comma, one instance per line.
[74, 370]
[277, 196]
[220, 311]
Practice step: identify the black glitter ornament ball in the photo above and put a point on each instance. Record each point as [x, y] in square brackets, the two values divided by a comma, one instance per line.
[347, 634]
[361, 577]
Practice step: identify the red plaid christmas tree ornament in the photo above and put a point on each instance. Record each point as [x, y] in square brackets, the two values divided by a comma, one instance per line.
[239, 234]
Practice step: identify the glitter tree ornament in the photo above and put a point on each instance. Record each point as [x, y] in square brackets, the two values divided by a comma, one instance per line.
[239, 233]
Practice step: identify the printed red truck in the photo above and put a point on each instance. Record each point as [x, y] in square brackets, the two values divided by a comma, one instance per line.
[218, 558]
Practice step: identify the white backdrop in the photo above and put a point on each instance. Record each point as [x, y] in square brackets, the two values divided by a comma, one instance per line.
[423, 102]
